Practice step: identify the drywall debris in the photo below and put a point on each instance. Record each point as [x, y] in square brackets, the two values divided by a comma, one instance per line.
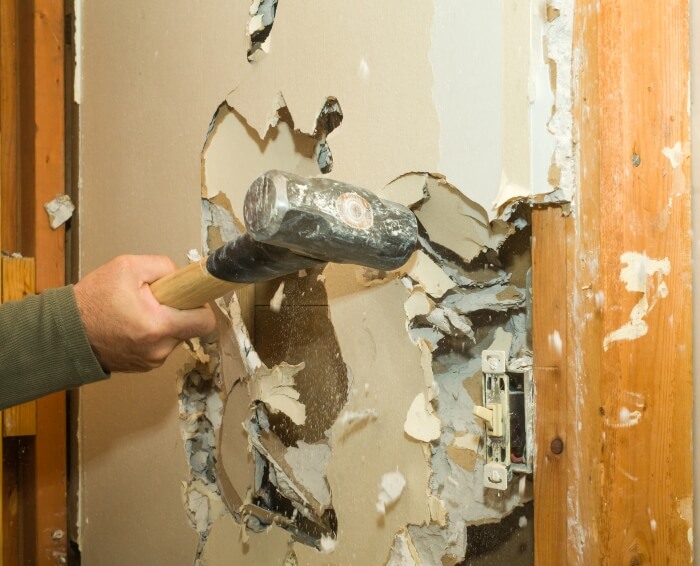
[408, 190]
[674, 154]
[193, 255]
[309, 463]
[203, 505]
[277, 298]
[498, 298]
[641, 275]
[390, 489]
[427, 274]
[328, 544]
[438, 513]
[218, 225]
[417, 304]
[59, 210]
[402, 552]
[275, 388]
[352, 420]
[421, 421]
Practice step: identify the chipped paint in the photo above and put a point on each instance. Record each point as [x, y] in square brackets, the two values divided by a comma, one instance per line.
[641, 275]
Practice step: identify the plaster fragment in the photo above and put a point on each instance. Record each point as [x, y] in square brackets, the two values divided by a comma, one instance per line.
[390, 489]
[275, 388]
[417, 304]
[428, 274]
[402, 551]
[641, 275]
[421, 421]
[328, 544]
[59, 210]
[277, 298]
[674, 154]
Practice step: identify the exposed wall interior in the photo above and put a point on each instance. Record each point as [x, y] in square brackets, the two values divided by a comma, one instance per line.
[332, 414]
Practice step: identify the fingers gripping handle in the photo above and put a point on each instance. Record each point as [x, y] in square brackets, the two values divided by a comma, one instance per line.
[191, 287]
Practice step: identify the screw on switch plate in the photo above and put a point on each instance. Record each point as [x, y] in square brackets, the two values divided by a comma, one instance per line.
[493, 361]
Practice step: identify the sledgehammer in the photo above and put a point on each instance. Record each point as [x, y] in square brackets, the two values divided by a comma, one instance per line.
[295, 223]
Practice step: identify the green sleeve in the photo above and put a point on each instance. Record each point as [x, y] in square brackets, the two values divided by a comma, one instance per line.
[43, 347]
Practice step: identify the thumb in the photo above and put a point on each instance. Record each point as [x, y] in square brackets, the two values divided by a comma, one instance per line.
[186, 324]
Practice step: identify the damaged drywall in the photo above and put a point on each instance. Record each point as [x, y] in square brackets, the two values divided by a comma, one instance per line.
[357, 90]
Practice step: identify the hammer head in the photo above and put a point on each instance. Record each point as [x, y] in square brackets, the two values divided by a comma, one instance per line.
[329, 221]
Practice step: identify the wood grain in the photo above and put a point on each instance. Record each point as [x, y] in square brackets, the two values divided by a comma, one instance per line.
[9, 126]
[629, 406]
[18, 281]
[42, 124]
[550, 340]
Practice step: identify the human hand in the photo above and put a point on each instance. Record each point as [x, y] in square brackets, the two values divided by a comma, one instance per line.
[128, 329]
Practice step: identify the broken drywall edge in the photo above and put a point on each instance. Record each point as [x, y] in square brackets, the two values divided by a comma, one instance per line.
[391, 487]
[559, 34]
[408, 189]
[262, 18]
[248, 354]
[59, 210]
[402, 552]
[421, 421]
[498, 298]
[427, 274]
[275, 387]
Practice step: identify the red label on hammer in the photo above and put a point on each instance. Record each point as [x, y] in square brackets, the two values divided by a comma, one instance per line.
[355, 211]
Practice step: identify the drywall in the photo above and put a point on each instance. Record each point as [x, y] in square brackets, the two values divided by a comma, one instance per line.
[173, 110]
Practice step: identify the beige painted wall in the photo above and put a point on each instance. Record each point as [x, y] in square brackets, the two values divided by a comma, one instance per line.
[151, 78]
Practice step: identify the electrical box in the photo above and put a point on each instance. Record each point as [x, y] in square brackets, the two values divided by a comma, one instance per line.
[508, 417]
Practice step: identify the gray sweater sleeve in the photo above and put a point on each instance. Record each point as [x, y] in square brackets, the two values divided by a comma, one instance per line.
[43, 347]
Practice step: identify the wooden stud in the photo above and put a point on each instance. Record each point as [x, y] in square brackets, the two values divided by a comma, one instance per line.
[18, 281]
[42, 128]
[549, 333]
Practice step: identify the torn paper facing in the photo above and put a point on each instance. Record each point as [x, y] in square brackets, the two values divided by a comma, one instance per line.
[421, 422]
[275, 388]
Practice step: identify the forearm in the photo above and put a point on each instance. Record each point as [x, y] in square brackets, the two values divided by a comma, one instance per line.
[43, 347]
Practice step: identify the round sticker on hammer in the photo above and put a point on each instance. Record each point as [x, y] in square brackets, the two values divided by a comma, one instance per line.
[355, 211]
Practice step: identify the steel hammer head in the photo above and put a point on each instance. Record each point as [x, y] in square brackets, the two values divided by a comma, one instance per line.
[329, 221]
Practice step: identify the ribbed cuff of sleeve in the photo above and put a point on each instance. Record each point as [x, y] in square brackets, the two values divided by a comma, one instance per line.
[75, 340]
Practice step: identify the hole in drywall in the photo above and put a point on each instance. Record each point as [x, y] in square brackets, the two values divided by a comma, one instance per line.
[328, 120]
[262, 18]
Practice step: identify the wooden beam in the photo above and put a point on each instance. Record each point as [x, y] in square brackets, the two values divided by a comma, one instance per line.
[18, 281]
[628, 348]
[549, 333]
[43, 177]
[9, 125]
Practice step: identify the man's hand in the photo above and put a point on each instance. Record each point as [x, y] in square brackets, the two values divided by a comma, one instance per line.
[128, 329]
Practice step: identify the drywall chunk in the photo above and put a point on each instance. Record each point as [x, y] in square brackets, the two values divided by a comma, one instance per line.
[428, 274]
[402, 551]
[454, 221]
[203, 505]
[417, 304]
[352, 420]
[641, 275]
[421, 421]
[390, 489]
[275, 388]
[277, 298]
[438, 513]
[498, 298]
[408, 189]
[328, 544]
[59, 210]
[309, 463]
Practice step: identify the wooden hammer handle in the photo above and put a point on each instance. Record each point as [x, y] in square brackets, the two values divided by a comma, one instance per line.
[191, 287]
